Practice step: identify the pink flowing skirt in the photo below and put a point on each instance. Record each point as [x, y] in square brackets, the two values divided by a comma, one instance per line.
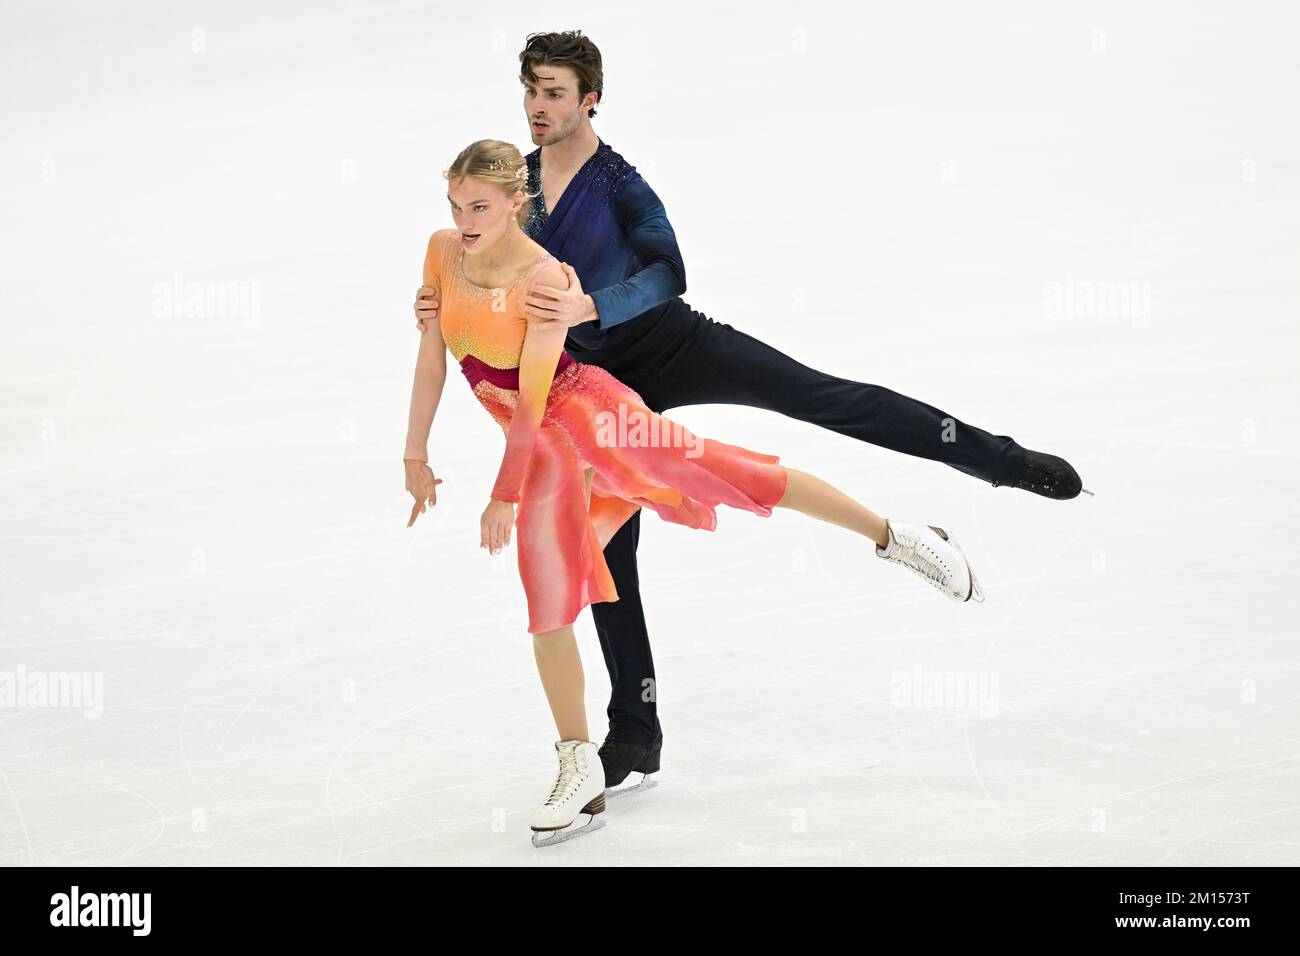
[641, 460]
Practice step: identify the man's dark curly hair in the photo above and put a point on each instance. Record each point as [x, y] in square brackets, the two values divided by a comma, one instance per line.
[570, 49]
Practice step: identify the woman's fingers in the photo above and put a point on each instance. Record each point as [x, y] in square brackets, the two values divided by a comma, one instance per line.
[428, 489]
[425, 493]
[494, 538]
[494, 529]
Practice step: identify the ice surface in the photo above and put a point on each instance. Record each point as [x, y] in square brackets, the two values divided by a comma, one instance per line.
[1074, 226]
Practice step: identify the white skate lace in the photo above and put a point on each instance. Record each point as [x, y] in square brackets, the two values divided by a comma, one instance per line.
[564, 780]
[928, 569]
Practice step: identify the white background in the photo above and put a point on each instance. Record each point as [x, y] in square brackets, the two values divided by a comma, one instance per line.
[207, 509]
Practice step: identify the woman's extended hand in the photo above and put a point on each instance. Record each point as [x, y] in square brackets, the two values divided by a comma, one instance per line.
[494, 527]
[422, 486]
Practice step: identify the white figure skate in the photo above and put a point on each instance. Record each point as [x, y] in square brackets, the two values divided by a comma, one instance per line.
[579, 790]
[933, 556]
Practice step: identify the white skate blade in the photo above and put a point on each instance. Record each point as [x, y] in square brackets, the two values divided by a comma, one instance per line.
[647, 782]
[543, 838]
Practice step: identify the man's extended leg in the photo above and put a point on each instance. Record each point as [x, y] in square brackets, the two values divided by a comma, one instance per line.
[722, 365]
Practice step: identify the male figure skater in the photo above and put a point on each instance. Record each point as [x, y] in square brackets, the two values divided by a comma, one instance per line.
[601, 219]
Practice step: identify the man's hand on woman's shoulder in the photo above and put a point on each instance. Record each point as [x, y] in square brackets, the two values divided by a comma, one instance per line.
[555, 298]
[426, 307]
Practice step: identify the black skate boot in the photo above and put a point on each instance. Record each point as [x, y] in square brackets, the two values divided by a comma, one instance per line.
[1049, 476]
[621, 759]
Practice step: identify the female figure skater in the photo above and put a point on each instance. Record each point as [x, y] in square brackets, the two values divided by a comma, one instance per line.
[583, 453]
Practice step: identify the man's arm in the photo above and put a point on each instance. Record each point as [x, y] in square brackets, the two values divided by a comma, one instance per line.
[644, 221]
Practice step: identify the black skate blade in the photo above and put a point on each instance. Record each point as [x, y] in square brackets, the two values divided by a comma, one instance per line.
[647, 782]
[1087, 492]
[543, 838]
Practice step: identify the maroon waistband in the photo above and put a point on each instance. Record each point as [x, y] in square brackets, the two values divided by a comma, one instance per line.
[477, 371]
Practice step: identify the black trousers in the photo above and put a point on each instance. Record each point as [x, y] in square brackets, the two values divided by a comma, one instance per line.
[675, 356]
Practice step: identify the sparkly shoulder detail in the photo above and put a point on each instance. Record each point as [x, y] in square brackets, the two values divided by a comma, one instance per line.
[528, 275]
[495, 290]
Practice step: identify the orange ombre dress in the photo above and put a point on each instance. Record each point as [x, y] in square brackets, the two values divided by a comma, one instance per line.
[561, 416]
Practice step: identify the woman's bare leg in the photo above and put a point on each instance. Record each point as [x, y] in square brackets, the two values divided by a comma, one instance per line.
[560, 666]
[810, 495]
[558, 660]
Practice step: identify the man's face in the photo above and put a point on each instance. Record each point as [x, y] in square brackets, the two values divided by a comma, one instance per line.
[551, 105]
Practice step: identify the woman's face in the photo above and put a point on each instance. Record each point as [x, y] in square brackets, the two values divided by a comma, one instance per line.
[482, 211]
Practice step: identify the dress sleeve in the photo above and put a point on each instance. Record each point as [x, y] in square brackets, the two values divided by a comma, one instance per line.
[537, 361]
[433, 257]
[644, 221]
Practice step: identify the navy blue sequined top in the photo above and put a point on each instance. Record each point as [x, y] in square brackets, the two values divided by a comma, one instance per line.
[612, 229]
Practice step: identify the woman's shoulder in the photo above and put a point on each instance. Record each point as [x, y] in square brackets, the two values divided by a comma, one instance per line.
[439, 245]
[440, 238]
[547, 271]
[435, 256]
